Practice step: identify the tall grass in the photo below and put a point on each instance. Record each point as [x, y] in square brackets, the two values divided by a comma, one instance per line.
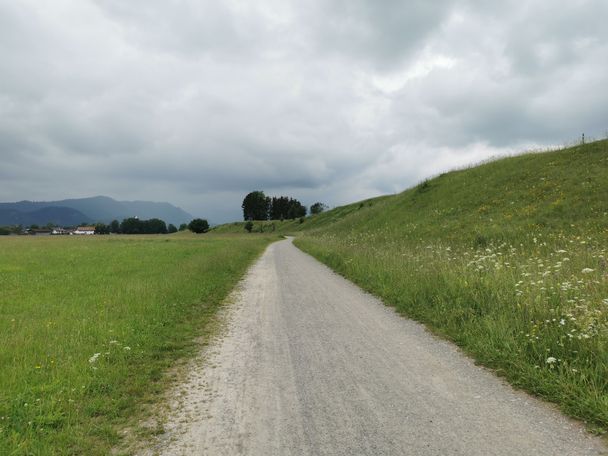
[89, 325]
[507, 259]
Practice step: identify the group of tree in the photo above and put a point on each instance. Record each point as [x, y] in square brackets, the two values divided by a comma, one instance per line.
[282, 207]
[132, 225]
[258, 206]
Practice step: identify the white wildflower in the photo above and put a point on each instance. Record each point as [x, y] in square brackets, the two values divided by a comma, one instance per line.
[93, 358]
[587, 270]
[550, 360]
[126, 348]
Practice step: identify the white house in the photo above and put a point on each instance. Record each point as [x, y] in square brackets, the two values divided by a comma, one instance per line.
[85, 230]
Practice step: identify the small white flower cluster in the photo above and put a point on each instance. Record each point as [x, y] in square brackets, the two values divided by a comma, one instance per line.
[93, 359]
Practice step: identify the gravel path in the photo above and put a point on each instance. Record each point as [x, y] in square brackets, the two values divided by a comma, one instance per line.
[311, 365]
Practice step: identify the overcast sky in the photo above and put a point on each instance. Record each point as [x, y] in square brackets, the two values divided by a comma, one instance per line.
[199, 102]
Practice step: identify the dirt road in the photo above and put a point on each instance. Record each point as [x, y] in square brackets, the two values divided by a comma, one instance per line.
[311, 365]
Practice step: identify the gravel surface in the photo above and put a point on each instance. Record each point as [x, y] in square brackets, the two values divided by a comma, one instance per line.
[311, 365]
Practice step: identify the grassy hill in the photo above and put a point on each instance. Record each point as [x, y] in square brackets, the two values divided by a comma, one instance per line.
[498, 200]
[507, 259]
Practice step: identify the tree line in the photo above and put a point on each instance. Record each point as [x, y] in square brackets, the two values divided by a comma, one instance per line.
[134, 225]
[131, 225]
[258, 206]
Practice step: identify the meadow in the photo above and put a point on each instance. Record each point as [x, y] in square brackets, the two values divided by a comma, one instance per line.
[507, 259]
[90, 325]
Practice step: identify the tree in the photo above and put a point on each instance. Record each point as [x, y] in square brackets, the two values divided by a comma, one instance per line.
[135, 226]
[114, 226]
[255, 206]
[131, 225]
[102, 228]
[285, 207]
[249, 226]
[172, 228]
[317, 208]
[198, 226]
[154, 226]
[296, 209]
[183, 227]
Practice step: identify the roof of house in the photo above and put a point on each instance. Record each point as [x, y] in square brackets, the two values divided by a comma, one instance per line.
[86, 228]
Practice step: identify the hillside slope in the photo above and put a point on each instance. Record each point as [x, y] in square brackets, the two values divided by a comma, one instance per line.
[507, 259]
[63, 216]
[550, 191]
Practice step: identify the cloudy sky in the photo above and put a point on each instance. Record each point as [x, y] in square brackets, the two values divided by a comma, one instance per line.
[198, 102]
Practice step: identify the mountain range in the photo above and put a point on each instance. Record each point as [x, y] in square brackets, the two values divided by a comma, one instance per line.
[76, 211]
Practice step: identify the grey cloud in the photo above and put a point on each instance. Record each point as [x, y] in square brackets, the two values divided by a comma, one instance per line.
[200, 102]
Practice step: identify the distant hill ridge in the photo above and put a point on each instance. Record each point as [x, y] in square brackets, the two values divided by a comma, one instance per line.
[87, 210]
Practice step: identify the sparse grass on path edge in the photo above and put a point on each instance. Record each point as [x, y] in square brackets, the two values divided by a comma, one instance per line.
[89, 328]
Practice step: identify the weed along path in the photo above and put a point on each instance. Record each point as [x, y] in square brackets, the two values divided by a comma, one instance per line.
[311, 365]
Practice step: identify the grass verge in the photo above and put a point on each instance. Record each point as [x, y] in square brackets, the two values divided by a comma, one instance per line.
[538, 314]
[89, 325]
[507, 259]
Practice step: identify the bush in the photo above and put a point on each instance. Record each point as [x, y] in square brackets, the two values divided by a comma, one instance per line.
[249, 226]
[198, 226]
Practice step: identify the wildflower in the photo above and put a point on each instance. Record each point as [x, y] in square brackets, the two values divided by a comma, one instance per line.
[562, 322]
[587, 270]
[126, 348]
[550, 360]
[93, 358]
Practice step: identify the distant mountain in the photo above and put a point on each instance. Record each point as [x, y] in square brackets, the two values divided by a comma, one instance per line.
[63, 216]
[95, 209]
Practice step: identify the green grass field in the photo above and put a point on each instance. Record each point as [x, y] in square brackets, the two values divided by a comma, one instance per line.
[507, 259]
[88, 326]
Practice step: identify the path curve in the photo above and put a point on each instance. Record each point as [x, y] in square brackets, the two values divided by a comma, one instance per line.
[311, 365]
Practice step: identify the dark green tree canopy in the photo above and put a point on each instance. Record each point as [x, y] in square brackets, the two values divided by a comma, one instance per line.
[102, 228]
[198, 226]
[284, 207]
[114, 226]
[318, 207]
[255, 206]
[135, 226]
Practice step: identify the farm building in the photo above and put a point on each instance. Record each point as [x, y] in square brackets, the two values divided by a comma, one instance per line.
[86, 230]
